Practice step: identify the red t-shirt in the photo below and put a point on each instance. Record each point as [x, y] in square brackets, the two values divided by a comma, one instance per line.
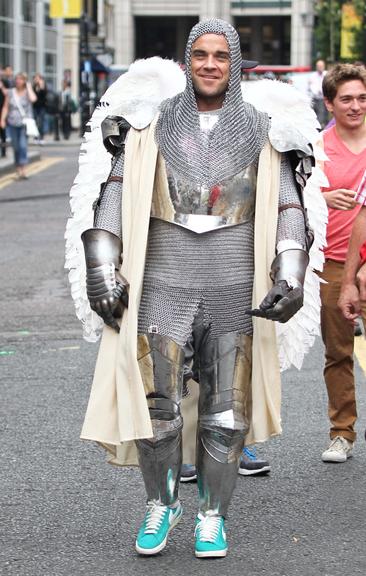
[344, 169]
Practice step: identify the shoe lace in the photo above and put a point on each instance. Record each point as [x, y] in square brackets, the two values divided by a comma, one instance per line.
[208, 528]
[337, 444]
[154, 517]
[250, 453]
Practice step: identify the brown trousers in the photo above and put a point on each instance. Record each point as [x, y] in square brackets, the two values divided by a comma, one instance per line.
[338, 338]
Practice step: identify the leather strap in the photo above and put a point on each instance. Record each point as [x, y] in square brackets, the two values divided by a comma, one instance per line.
[291, 205]
[115, 179]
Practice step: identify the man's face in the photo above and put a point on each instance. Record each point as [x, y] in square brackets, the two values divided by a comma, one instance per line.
[210, 68]
[320, 66]
[349, 104]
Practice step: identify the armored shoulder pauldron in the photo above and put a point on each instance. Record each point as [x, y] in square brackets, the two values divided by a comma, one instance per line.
[114, 133]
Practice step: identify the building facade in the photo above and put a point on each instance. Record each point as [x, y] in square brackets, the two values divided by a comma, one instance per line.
[30, 41]
[271, 31]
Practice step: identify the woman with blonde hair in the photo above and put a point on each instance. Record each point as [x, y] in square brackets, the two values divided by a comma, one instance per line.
[19, 106]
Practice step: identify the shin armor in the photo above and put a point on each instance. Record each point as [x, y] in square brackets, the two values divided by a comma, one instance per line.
[224, 415]
[160, 458]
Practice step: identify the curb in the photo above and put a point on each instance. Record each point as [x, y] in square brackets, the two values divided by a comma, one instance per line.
[55, 144]
[7, 165]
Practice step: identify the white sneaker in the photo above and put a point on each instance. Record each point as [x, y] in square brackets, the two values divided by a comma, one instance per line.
[338, 451]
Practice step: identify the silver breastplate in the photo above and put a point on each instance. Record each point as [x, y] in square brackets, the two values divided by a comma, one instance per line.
[201, 209]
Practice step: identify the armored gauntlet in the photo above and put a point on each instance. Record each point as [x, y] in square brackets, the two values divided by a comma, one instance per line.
[106, 287]
[287, 295]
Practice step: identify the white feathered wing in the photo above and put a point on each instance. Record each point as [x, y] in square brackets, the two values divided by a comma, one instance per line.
[136, 95]
[293, 126]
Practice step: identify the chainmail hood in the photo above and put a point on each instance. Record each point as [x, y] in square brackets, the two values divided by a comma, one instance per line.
[234, 142]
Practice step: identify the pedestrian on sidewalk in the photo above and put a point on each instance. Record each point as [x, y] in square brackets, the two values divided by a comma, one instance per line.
[3, 108]
[39, 106]
[67, 108]
[344, 144]
[18, 106]
[7, 77]
[188, 272]
[53, 112]
[315, 89]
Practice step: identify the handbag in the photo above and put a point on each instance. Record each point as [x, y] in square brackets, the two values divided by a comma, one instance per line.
[31, 127]
[29, 122]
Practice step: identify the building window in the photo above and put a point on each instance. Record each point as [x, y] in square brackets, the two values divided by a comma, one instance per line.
[47, 20]
[6, 8]
[245, 34]
[29, 62]
[6, 32]
[6, 56]
[50, 69]
[29, 11]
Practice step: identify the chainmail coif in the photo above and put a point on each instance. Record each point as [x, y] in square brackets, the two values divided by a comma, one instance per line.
[237, 138]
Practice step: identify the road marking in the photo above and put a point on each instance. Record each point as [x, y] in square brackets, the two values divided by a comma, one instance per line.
[31, 169]
[360, 351]
[69, 348]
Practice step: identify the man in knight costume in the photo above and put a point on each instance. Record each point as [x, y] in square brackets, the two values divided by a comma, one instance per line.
[187, 281]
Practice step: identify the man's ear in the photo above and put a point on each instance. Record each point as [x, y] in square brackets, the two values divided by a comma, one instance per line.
[328, 104]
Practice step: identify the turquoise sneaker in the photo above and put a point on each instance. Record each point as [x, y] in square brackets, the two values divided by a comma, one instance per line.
[210, 537]
[158, 522]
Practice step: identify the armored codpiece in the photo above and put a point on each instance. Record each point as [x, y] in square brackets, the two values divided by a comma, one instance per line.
[106, 287]
[287, 295]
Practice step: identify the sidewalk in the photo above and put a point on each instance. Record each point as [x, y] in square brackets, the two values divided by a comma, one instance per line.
[74, 140]
[36, 151]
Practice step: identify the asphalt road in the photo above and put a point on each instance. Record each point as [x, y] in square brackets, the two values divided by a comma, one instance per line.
[65, 512]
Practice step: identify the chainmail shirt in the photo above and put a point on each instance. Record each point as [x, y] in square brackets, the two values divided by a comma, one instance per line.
[236, 139]
[108, 210]
[214, 271]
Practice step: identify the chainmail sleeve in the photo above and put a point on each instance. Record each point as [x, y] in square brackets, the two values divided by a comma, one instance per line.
[291, 223]
[108, 213]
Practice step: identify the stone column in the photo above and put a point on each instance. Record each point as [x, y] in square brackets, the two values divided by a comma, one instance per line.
[60, 62]
[40, 37]
[125, 33]
[225, 11]
[302, 20]
[216, 9]
[71, 56]
[209, 9]
[18, 19]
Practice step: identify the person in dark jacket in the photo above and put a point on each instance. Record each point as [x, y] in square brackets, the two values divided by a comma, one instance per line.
[39, 106]
[3, 101]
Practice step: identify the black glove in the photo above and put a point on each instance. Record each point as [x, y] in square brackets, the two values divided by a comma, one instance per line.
[287, 295]
[281, 302]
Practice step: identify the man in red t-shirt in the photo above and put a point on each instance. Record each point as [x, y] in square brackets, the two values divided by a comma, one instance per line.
[344, 89]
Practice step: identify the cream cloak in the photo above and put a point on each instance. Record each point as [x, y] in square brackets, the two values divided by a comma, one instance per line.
[117, 412]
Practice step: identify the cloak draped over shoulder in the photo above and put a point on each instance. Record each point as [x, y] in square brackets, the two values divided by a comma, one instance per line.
[117, 412]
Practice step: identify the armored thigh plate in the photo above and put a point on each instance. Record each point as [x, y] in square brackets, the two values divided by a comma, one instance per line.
[161, 363]
[225, 368]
